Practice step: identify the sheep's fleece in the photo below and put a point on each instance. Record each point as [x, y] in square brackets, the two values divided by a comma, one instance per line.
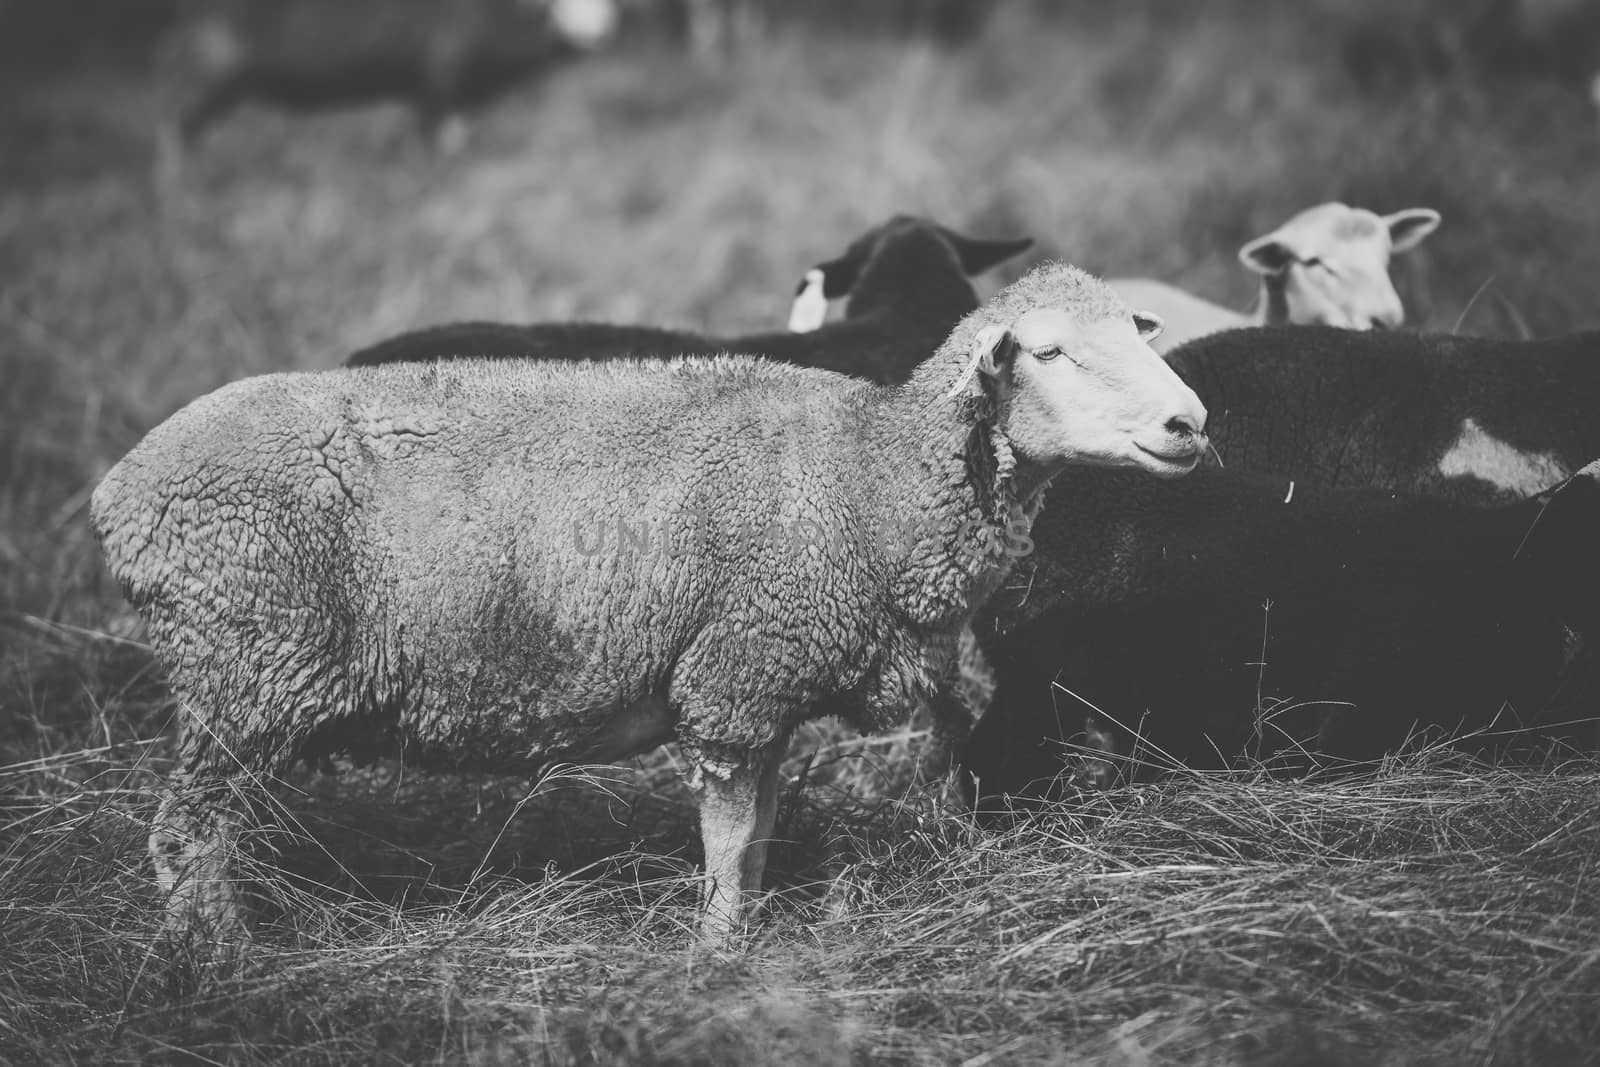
[500, 564]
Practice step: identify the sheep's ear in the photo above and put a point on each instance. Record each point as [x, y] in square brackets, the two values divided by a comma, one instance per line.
[810, 307]
[1407, 228]
[978, 255]
[1148, 324]
[992, 350]
[1267, 255]
[839, 275]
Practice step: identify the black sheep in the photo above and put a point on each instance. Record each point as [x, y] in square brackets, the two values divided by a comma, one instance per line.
[1469, 418]
[907, 286]
[1233, 616]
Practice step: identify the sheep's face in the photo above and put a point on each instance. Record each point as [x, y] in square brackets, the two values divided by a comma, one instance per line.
[1093, 393]
[1331, 263]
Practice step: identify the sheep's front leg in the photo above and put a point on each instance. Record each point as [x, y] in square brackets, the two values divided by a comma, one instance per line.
[738, 809]
[192, 843]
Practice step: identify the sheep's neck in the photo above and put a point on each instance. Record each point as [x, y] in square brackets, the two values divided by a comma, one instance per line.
[1272, 302]
[952, 515]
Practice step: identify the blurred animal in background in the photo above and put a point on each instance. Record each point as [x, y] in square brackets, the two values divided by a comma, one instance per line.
[442, 57]
[1520, 40]
[717, 31]
[906, 283]
[1329, 265]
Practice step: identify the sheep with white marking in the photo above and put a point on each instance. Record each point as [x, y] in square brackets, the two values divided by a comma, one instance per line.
[1329, 265]
[499, 565]
[1293, 625]
[1470, 418]
[906, 283]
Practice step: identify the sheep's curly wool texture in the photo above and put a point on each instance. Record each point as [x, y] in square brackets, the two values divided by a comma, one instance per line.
[1056, 285]
[497, 565]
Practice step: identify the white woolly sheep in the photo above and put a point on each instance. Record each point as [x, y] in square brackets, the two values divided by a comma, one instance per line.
[405, 557]
[1329, 265]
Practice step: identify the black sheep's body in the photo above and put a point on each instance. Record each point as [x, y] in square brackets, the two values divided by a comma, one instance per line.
[1469, 418]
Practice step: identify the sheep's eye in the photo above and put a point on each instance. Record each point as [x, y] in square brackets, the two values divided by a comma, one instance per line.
[1048, 352]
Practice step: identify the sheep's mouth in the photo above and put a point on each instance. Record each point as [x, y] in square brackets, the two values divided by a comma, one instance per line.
[1174, 461]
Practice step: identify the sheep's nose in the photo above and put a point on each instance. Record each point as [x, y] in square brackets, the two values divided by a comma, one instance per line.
[1186, 417]
[1186, 425]
[1388, 320]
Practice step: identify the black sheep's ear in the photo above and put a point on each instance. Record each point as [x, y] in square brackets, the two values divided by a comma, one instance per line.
[1559, 558]
[839, 276]
[978, 255]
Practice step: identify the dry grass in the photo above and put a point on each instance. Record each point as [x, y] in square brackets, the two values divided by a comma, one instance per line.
[1433, 913]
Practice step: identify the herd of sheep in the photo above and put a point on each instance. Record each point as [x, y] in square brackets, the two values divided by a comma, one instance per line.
[1122, 516]
[493, 546]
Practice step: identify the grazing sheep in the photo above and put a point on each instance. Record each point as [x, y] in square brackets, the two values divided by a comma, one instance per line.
[499, 565]
[1474, 419]
[1329, 265]
[1236, 616]
[907, 286]
[441, 57]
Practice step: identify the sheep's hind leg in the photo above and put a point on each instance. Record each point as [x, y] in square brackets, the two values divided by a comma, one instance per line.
[738, 810]
[958, 702]
[951, 727]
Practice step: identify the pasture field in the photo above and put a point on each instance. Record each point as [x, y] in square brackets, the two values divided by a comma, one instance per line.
[1434, 912]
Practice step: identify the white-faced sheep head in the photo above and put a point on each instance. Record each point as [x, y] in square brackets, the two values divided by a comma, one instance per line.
[1076, 381]
[1331, 264]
